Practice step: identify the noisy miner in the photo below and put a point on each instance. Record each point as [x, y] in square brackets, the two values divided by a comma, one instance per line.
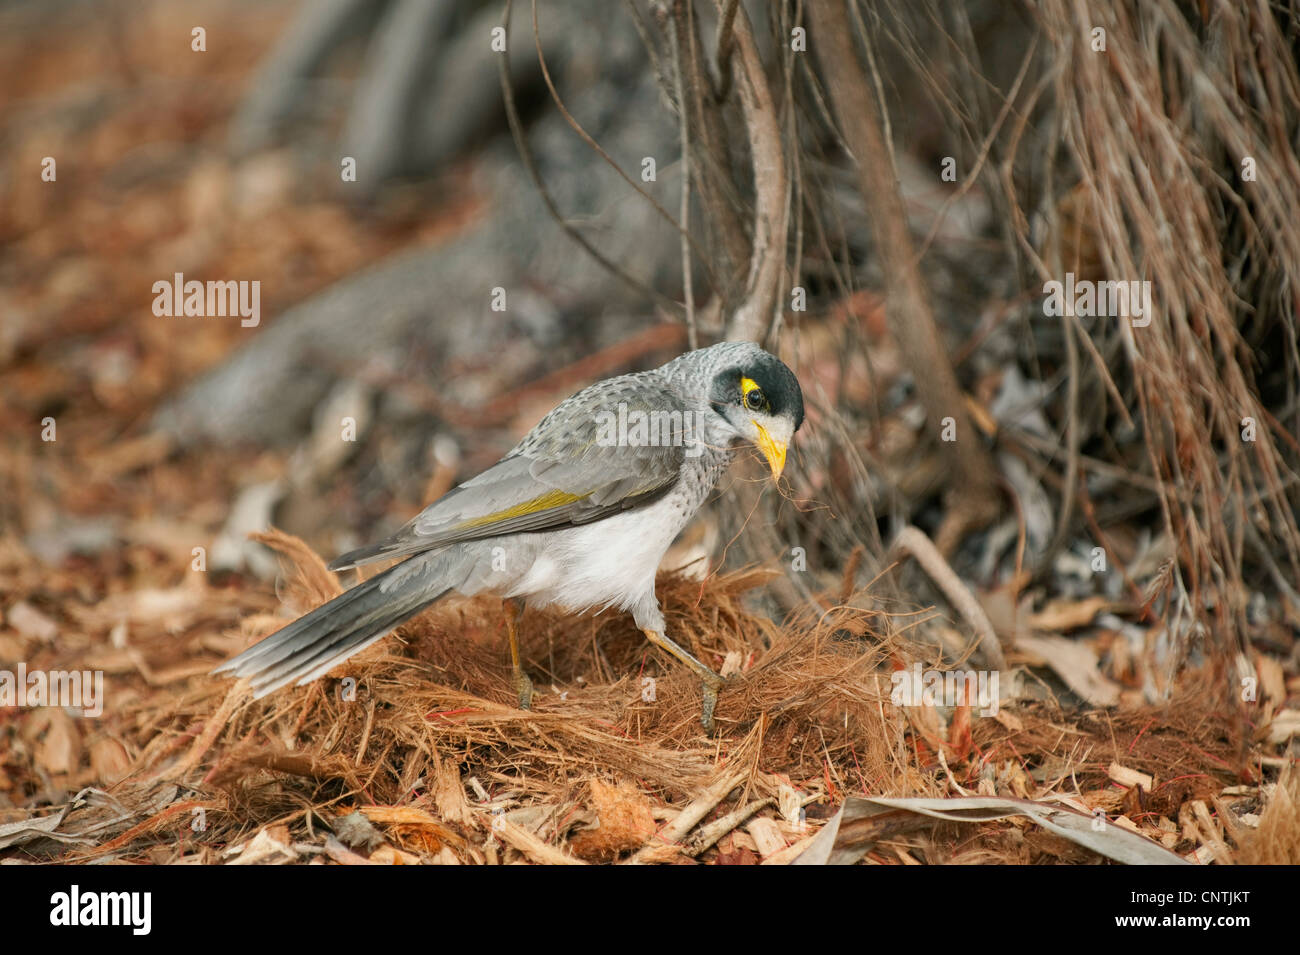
[577, 516]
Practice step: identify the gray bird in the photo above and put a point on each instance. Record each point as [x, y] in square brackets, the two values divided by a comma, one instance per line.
[577, 516]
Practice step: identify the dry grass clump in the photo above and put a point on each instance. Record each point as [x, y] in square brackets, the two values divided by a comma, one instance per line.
[414, 751]
[420, 734]
[1277, 840]
[434, 707]
[1187, 176]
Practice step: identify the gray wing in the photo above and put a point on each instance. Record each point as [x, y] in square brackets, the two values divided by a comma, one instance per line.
[572, 468]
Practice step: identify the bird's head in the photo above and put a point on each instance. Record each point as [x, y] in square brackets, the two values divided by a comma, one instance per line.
[760, 401]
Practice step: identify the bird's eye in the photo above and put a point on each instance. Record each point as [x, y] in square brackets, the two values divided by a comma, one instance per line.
[755, 401]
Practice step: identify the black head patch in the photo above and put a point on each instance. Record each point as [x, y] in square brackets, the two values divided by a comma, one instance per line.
[761, 384]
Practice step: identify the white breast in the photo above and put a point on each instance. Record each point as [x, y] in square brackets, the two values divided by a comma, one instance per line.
[610, 563]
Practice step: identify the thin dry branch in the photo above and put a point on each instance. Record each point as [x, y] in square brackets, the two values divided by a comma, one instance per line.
[754, 317]
[526, 156]
[684, 121]
[912, 542]
[972, 496]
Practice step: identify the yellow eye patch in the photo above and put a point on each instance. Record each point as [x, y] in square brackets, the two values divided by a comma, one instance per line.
[752, 397]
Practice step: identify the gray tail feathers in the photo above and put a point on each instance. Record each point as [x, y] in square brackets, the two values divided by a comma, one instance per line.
[318, 641]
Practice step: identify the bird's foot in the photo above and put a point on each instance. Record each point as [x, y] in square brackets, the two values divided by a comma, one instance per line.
[712, 683]
[710, 691]
[524, 687]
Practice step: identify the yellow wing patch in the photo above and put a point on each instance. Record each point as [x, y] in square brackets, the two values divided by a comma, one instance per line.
[543, 502]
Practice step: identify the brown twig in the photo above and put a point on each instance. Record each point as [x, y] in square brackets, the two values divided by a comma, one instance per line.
[972, 496]
[681, 227]
[526, 156]
[754, 316]
[913, 542]
[683, 113]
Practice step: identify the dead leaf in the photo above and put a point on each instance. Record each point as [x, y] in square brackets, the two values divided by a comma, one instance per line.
[1076, 664]
[1061, 615]
[625, 822]
[27, 620]
[269, 847]
[109, 760]
[862, 822]
[60, 749]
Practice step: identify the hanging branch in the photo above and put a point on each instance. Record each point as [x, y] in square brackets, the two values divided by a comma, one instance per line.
[683, 112]
[972, 496]
[680, 228]
[712, 170]
[525, 154]
[753, 317]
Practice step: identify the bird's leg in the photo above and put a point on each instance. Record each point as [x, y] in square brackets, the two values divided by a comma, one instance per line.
[712, 682]
[523, 685]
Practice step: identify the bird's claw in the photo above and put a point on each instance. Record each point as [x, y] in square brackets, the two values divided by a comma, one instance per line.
[524, 687]
[710, 703]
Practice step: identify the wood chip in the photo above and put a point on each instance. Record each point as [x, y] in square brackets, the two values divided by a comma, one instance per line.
[412, 816]
[1284, 725]
[60, 749]
[1200, 856]
[790, 852]
[389, 855]
[1129, 777]
[662, 855]
[1009, 720]
[29, 621]
[1272, 681]
[789, 803]
[731, 664]
[343, 855]
[530, 845]
[269, 847]
[691, 814]
[1210, 833]
[767, 836]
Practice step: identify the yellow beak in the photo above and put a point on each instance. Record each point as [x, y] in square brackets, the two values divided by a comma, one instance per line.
[772, 449]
